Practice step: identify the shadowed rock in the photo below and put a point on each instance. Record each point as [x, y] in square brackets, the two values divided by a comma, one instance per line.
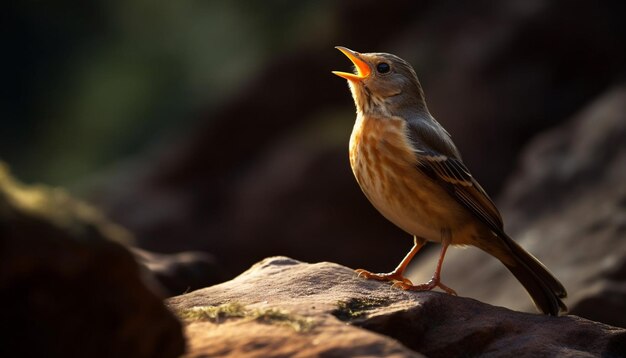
[181, 272]
[67, 289]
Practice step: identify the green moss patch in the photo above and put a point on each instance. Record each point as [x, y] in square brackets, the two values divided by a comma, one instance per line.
[357, 307]
[226, 311]
[281, 317]
[213, 313]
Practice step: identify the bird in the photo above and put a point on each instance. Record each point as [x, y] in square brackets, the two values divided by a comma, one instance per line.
[411, 171]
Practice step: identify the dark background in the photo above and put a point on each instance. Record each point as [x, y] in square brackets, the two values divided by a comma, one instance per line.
[217, 126]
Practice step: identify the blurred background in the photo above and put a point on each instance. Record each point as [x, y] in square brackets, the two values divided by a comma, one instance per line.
[215, 130]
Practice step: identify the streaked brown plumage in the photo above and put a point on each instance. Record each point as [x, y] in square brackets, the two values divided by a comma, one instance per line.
[410, 170]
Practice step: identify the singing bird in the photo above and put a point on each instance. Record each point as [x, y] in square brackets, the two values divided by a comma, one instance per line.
[410, 170]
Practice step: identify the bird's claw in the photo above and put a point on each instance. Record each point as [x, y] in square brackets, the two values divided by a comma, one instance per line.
[425, 286]
[404, 283]
[395, 277]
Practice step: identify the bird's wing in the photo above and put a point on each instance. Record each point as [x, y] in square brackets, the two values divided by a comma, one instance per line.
[438, 158]
[454, 176]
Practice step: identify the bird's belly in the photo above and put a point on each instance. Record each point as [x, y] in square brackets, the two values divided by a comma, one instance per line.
[416, 205]
[401, 193]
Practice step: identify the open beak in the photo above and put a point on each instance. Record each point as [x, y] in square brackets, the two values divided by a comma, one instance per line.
[362, 68]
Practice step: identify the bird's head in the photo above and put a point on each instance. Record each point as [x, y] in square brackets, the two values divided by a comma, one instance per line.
[383, 84]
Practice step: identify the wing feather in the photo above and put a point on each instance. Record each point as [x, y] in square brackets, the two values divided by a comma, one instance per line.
[438, 158]
[454, 176]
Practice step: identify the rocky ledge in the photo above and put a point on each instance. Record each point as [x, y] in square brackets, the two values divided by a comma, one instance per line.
[283, 307]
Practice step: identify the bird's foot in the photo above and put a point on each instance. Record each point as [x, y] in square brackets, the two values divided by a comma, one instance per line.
[394, 276]
[428, 286]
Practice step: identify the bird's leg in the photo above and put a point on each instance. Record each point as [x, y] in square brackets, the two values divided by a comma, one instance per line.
[435, 281]
[396, 275]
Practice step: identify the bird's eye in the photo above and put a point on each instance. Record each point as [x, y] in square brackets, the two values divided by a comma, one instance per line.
[383, 67]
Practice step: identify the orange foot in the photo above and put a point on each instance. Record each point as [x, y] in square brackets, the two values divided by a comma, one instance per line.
[394, 276]
[425, 286]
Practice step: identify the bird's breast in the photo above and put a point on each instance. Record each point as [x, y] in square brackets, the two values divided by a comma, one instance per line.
[384, 164]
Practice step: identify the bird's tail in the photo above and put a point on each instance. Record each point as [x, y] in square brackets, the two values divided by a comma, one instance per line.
[544, 289]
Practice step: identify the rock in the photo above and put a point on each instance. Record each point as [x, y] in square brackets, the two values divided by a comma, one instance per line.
[181, 272]
[283, 307]
[567, 205]
[67, 289]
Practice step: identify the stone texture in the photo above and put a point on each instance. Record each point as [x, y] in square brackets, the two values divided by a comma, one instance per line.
[67, 289]
[567, 205]
[350, 317]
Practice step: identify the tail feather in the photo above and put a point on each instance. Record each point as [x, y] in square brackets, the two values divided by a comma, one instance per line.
[544, 289]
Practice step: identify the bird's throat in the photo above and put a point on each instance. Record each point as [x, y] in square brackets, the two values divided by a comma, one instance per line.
[366, 102]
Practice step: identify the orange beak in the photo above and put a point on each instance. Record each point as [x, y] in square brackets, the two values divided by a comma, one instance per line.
[362, 68]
